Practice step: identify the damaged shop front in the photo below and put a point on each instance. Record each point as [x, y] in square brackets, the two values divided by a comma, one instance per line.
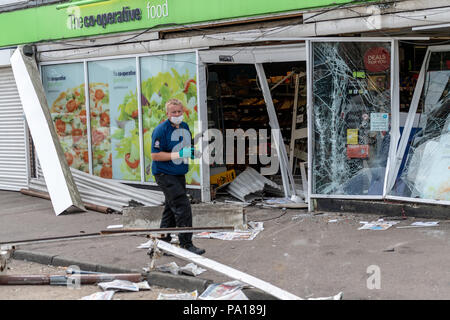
[353, 116]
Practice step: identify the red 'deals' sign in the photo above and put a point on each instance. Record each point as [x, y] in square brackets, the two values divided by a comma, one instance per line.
[377, 59]
[357, 151]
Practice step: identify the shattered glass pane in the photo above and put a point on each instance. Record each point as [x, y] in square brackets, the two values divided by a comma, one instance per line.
[351, 117]
[427, 170]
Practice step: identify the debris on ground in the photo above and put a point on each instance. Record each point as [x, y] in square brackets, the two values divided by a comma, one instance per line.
[380, 224]
[178, 296]
[123, 285]
[231, 290]
[301, 215]
[251, 185]
[226, 270]
[244, 204]
[420, 224]
[254, 228]
[106, 295]
[189, 269]
[115, 226]
[283, 203]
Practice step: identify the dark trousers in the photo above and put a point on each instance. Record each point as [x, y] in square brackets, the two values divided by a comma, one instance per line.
[177, 211]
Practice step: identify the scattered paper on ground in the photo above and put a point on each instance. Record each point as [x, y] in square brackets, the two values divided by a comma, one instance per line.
[336, 297]
[250, 234]
[377, 225]
[190, 269]
[146, 245]
[178, 296]
[426, 224]
[143, 285]
[106, 295]
[115, 226]
[119, 285]
[236, 295]
[422, 224]
[222, 291]
[295, 203]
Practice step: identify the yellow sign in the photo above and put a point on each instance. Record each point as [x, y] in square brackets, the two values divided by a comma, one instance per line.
[352, 136]
[223, 177]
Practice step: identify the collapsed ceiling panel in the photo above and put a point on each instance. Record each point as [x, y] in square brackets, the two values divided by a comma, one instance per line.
[61, 186]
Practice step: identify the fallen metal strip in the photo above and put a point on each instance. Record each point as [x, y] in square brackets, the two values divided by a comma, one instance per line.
[119, 232]
[235, 274]
[171, 230]
[228, 271]
[88, 206]
[61, 186]
[63, 279]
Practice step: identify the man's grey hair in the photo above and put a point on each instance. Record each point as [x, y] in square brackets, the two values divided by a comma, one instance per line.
[174, 102]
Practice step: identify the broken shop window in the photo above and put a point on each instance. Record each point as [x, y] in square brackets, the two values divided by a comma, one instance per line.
[351, 117]
[425, 170]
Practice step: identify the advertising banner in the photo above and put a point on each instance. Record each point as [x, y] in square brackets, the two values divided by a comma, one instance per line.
[52, 22]
[162, 78]
[64, 89]
[114, 119]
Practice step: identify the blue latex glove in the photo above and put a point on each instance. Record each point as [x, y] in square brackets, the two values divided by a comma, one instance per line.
[187, 153]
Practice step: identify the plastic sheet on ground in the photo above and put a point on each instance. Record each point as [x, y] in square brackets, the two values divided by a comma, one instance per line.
[178, 296]
[420, 224]
[425, 224]
[190, 269]
[377, 225]
[254, 229]
[105, 295]
[283, 203]
[231, 290]
[119, 285]
[146, 245]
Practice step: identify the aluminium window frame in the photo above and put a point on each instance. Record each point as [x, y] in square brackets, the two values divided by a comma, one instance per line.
[401, 150]
[395, 113]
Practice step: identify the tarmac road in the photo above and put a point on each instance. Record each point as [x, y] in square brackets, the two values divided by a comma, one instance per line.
[304, 254]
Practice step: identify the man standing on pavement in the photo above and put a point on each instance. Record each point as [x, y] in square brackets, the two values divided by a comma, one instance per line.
[169, 167]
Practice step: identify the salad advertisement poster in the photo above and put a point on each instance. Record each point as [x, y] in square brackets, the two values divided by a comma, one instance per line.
[114, 119]
[64, 89]
[114, 114]
[162, 78]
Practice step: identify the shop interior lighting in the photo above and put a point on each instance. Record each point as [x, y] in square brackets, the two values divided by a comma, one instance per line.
[78, 3]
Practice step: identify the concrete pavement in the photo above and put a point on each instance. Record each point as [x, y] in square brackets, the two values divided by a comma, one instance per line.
[307, 255]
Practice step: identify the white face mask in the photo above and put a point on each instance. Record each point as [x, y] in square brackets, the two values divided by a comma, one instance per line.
[176, 120]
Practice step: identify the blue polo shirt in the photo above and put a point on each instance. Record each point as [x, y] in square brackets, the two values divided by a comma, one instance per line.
[167, 138]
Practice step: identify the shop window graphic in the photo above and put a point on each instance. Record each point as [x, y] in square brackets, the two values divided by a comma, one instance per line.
[114, 119]
[65, 93]
[164, 77]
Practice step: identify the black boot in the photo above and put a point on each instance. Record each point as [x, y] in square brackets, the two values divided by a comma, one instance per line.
[191, 248]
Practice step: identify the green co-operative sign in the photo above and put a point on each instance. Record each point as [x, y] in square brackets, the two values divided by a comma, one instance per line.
[46, 23]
